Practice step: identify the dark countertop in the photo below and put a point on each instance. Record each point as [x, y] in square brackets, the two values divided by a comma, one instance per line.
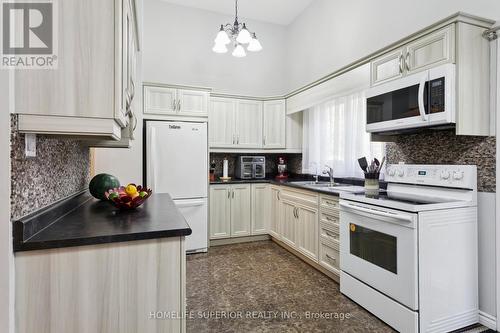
[83, 220]
[298, 178]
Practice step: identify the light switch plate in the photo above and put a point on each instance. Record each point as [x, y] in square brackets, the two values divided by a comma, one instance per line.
[30, 145]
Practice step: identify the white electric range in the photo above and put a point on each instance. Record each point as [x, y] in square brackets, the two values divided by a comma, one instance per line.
[409, 254]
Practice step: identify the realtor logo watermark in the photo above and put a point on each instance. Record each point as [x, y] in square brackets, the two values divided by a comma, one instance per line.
[29, 34]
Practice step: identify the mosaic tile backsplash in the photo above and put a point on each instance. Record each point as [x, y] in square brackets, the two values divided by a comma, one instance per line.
[294, 163]
[444, 147]
[61, 168]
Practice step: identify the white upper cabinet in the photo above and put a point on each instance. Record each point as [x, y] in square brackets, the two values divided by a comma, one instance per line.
[431, 50]
[252, 124]
[160, 100]
[387, 67]
[248, 124]
[192, 102]
[221, 122]
[172, 101]
[235, 123]
[274, 133]
[91, 92]
[294, 132]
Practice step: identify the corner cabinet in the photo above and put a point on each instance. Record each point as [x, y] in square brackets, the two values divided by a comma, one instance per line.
[247, 124]
[165, 100]
[274, 132]
[91, 97]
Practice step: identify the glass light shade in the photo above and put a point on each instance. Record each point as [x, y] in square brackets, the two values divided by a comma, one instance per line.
[222, 37]
[219, 48]
[244, 36]
[239, 51]
[254, 45]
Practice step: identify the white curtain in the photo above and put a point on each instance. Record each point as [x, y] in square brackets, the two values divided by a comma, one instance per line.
[334, 135]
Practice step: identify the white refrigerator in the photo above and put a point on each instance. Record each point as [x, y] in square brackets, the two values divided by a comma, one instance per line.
[177, 163]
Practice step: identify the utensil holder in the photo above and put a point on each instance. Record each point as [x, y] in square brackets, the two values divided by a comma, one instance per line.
[372, 182]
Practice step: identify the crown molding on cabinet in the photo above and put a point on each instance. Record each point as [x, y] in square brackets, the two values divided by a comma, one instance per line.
[175, 86]
[457, 17]
[454, 18]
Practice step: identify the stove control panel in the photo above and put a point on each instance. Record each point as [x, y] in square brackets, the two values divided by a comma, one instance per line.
[458, 176]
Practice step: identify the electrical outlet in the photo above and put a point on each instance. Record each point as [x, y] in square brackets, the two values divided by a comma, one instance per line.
[30, 145]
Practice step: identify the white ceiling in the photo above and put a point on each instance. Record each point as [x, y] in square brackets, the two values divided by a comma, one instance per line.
[281, 12]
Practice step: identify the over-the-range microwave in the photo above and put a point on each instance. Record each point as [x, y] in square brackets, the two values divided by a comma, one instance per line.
[419, 100]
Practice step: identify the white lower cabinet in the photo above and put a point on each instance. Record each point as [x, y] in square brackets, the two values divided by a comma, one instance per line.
[261, 208]
[241, 214]
[303, 220]
[230, 211]
[329, 236]
[274, 222]
[288, 222]
[307, 231]
[220, 211]
[299, 221]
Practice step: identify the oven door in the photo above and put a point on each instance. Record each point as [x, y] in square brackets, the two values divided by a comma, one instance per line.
[259, 171]
[378, 246]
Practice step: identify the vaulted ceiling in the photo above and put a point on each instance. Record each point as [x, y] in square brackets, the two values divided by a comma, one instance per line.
[281, 12]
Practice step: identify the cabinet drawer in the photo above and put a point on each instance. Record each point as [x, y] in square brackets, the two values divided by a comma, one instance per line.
[329, 256]
[329, 202]
[309, 199]
[331, 218]
[329, 232]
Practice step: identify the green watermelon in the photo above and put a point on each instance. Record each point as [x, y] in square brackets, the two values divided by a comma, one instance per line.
[102, 183]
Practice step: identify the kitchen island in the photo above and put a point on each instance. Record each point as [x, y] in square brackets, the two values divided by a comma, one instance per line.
[83, 266]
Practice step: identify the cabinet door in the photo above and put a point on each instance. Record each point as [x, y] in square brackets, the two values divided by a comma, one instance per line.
[241, 213]
[248, 124]
[274, 221]
[83, 84]
[221, 123]
[387, 67]
[160, 100]
[434, 49]
[307, 231]
[192, 103]
[274, 124]
[220, 211]
[261, 208]
[294, 131]
[288, 222]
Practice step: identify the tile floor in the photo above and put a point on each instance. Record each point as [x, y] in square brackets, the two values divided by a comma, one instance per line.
[261, 287]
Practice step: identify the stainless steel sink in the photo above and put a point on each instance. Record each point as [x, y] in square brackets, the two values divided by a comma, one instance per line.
[318, 184]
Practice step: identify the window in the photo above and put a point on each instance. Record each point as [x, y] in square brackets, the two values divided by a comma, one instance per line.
[334, 135]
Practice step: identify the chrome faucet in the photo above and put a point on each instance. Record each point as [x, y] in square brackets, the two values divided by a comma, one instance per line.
[329, 172]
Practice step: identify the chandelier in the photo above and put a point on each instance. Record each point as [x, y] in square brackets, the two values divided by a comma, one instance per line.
[239, 35]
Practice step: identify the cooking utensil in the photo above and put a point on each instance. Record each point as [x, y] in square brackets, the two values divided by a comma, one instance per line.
[363, 163]
[381, 164]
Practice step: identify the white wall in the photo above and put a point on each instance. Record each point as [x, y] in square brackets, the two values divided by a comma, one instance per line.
[178, 45]
[331, 34]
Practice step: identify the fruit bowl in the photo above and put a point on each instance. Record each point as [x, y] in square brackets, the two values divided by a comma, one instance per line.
[129, 197]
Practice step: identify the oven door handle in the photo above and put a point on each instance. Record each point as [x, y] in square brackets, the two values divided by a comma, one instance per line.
[421, 104]
[405, 218]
